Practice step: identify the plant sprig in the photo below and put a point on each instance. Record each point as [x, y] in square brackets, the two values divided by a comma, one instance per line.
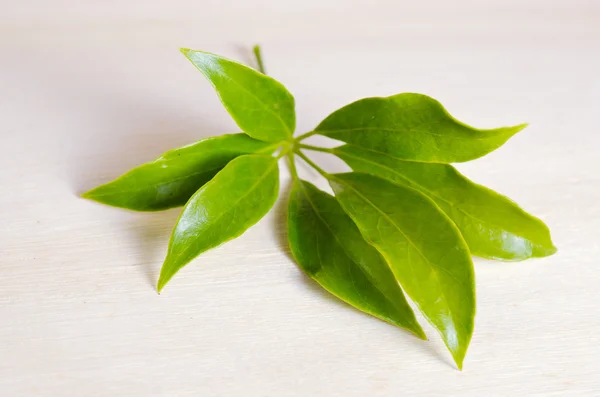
[405, 221]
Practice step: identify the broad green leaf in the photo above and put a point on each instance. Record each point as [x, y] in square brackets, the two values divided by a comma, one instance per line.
[412, 127]
[493, 226]
[235, 199]
[260, 105]
[330, 249]
[423, 247]
[170, 180]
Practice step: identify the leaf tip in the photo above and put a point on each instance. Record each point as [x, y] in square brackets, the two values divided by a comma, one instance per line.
[520, 127]
[551, 250]
[89, 195]
[421, 334]
[512, 131]
[185, 51]
[459, 355]
[541, 253]
[162, 281]
[458, 345]
[459, 358]
[415, 328]
[85, 195]
[166, 274]
[97, 195]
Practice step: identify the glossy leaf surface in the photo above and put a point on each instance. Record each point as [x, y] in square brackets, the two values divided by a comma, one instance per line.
[493, 226]
[261, 106]
[330, 249]
[411, 127]
[235, 199]
[170, 180]
[423, 247]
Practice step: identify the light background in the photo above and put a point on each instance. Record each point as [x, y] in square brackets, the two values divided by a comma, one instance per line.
[89, 89]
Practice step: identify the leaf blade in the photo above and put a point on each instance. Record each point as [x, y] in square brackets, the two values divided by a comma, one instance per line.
[412, 127]
[493, 226]
[223, 209]
[170, 180]
[260, 105]
[343, 263]
[437, 275]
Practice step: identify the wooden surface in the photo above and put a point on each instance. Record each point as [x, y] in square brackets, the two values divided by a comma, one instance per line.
[90, 89]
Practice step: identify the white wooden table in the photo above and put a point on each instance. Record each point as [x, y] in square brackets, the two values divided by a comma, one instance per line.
[89, 89]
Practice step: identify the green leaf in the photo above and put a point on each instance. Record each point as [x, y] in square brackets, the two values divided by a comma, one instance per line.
[412, 127]
[235, 199]
[330, 249]
[423, 247]
[493, 226]
[170, 180]
[260, 105]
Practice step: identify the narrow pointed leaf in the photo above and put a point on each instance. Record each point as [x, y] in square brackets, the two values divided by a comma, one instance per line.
[235, 199]
[170, 180]
[423, 247]
[330, 249]
[493, 226]
[412, 127]
[260, 105]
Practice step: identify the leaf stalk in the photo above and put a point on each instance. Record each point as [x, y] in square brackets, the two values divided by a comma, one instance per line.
[313, 165]
[292, 165]
[304, 136]
[315, 148]
[259, 61]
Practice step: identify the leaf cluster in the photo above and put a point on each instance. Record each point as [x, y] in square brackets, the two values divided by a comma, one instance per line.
[403, 223]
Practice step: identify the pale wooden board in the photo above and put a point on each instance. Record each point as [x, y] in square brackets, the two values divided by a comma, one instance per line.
[90, 89]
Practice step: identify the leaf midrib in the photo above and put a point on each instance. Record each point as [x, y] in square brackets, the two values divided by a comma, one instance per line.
[216, 219]
[432, 193]
[410, 130]
[317, 213]
[264, 106]
[434, 270]
[166, 182]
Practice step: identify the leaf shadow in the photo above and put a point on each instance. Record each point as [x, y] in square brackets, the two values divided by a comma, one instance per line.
[101, 160]
[280, 235]
[120, 151]
[246, 55]
[151, 232]
[116, 131]
[279, 219]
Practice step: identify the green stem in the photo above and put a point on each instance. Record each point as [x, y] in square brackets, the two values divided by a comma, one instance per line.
[315, 148]
[292, 164]
[304, 136]
[258, 55]
[310, 162]
[285, 149]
